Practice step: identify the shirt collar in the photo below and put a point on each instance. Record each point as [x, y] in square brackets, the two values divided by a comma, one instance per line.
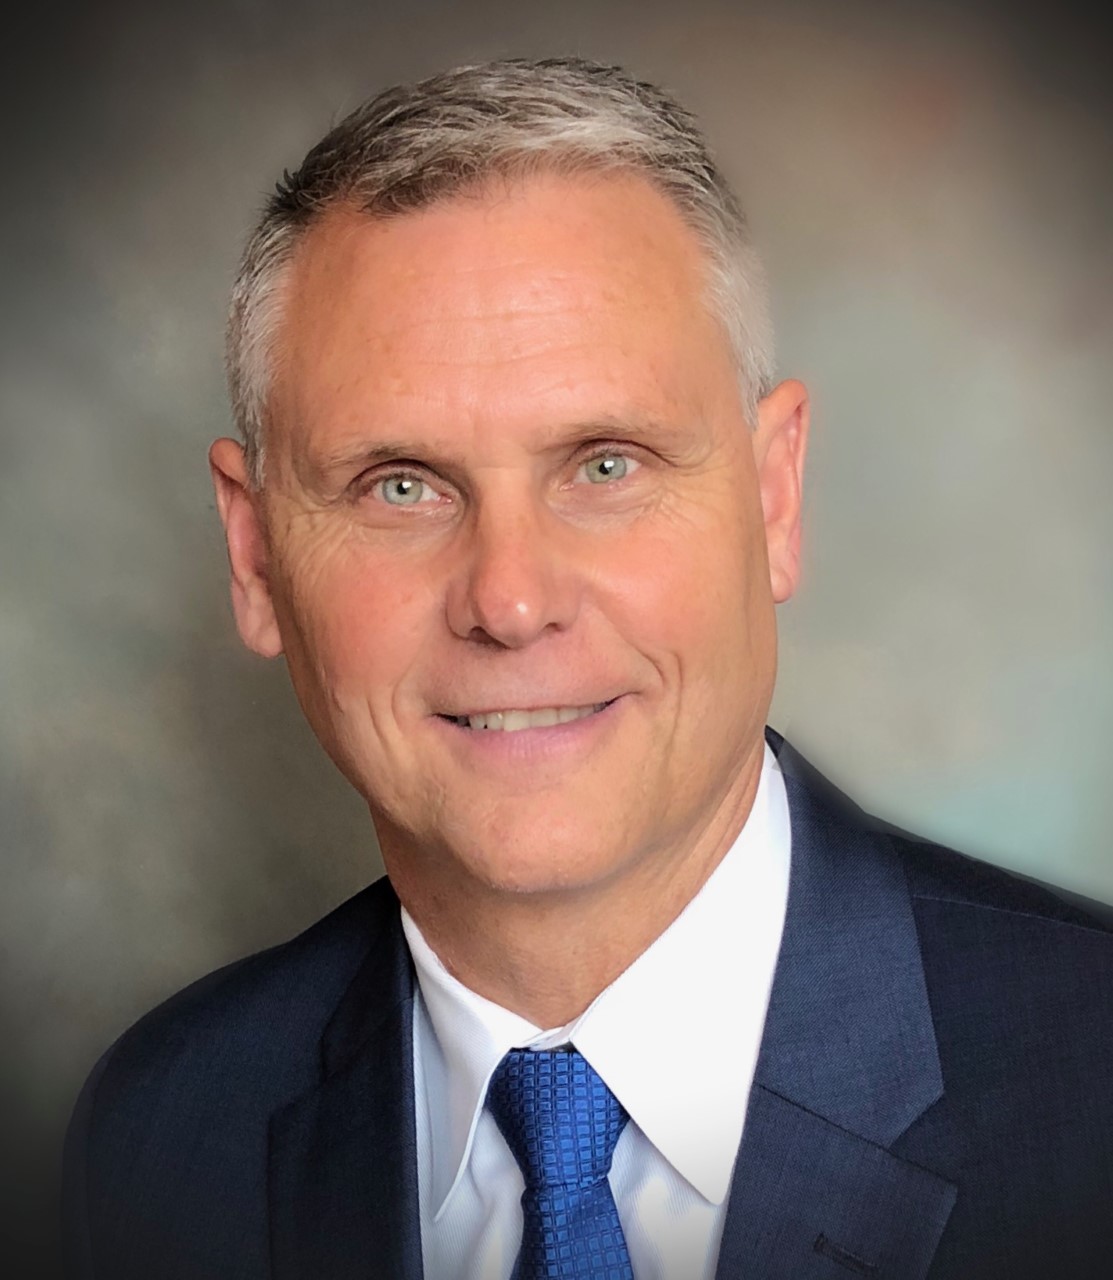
[691, 1008]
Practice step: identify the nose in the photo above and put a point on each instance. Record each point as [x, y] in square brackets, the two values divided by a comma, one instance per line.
[518, 578]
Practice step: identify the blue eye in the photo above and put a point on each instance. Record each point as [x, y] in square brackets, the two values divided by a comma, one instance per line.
[608, 466]
[403, 490]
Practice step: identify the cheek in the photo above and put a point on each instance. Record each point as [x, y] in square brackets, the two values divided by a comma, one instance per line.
[362, 619]
[692, 594]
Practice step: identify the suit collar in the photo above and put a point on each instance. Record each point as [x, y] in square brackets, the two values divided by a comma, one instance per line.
[343, 1160]
[848, 1061]
[849, 1032]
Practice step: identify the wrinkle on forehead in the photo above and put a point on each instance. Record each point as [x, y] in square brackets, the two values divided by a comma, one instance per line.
[474, 306]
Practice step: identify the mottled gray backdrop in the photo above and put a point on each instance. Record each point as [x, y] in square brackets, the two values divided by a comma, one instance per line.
[932, 186]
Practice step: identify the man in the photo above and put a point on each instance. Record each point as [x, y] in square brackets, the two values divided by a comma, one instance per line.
[640, 995]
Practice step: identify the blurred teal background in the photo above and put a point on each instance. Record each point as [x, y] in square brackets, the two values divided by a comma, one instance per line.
[931, 186]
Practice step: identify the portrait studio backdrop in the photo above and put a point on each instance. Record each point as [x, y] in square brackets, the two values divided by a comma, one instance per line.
[931, 189]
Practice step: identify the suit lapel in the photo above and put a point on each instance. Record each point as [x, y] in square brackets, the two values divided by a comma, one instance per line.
[343, 1164]
[848, 1062]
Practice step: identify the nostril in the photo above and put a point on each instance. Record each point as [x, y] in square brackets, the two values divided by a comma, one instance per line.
[481, 636]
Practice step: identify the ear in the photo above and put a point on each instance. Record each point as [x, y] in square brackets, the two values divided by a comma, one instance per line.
[248, 549]
[780, 443]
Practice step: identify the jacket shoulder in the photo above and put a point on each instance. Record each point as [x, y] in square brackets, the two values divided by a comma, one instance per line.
[171, 1128]
[939, 874]
[228, 1021]
[1019, 979]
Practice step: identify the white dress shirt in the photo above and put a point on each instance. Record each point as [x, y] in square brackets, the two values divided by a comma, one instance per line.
[675, 1037]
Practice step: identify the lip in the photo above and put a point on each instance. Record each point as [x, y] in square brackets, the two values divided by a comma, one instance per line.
[593, 708]
[527, 746]
[535, 705]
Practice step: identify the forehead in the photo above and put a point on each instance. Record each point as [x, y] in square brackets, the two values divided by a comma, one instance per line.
[524, 299]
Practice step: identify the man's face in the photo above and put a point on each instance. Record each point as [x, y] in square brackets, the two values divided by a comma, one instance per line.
[509, 476]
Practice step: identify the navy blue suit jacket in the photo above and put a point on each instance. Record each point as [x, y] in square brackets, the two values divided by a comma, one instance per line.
[934, 1094]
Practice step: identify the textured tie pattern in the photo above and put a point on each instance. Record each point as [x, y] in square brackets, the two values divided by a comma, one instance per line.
[562, 1122]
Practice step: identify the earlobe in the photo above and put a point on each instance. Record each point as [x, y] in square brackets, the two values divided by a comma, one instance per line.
[780, 446]
[248, 551]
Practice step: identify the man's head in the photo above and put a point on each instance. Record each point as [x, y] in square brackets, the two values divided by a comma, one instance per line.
[522, 456]
[417, 145]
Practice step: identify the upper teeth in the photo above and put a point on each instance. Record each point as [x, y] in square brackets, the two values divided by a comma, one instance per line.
[511, 721]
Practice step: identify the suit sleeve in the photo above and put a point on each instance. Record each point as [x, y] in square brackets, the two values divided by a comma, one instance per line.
[77, 1243]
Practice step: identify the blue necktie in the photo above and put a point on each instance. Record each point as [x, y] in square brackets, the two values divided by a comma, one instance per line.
[562, 1122]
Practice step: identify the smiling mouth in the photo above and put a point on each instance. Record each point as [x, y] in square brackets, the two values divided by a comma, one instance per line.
[512, 721]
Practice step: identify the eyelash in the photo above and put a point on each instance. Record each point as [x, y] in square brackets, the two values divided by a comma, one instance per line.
[366, 485]
[612, 449]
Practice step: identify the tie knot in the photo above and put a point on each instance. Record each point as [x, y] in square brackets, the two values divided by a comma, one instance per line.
[558, 1117]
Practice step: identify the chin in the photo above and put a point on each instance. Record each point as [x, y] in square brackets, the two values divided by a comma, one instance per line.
[522, 863]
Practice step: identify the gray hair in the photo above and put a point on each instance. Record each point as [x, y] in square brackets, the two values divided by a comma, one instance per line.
[417, 144]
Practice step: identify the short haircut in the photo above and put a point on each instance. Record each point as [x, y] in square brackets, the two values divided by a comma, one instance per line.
[418, 144]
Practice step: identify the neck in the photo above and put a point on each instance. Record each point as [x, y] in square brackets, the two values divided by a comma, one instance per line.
[547, 956]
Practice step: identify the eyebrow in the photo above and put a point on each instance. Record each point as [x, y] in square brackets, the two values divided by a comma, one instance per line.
[363, 456]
